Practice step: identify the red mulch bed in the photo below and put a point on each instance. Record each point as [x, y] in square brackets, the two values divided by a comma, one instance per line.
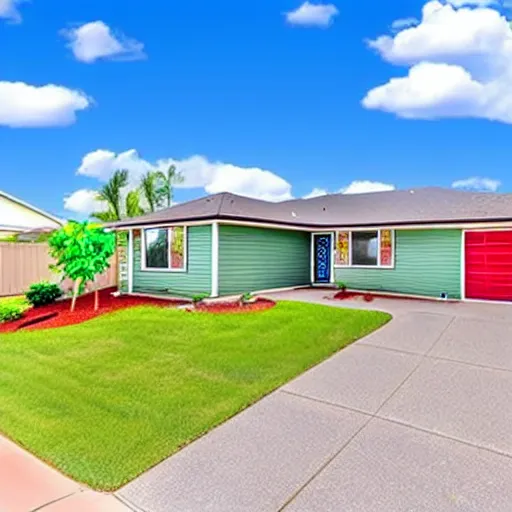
[341, 295]
[235, 306]
[59, 315]
[369, 297]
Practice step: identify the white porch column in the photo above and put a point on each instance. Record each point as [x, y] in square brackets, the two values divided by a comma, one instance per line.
[215, 259]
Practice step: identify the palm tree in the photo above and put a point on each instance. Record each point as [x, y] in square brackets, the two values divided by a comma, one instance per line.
[149, 189]
[133, 208]
[112, 194]
[167, 180]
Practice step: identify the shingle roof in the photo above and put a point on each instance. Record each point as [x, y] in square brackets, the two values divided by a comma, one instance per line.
[399, 207]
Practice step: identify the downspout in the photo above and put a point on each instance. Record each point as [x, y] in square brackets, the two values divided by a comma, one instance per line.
[215, 259]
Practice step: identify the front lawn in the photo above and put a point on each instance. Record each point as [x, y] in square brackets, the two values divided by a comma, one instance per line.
[105, 400]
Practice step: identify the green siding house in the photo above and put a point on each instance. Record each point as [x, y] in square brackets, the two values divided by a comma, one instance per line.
[432, 243]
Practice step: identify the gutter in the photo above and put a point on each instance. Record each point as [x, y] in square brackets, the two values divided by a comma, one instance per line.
[305, 226]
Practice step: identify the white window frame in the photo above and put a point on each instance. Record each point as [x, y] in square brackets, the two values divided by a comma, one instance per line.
[145, 268]
[379, 265]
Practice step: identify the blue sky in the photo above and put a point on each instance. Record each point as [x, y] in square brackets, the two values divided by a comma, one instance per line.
[251, 90]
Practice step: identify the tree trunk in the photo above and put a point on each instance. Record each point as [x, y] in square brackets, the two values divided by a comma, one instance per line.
[76, 287]
[96, 298]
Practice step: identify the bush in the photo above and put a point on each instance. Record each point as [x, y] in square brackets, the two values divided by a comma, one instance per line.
[43, 293]
[341, 286]
[10, 312]
[246, 298]
[196, 299]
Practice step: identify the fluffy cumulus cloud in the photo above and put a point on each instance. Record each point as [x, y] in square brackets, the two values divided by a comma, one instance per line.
[460, 65]
[402, 23]
[312, 15]
[9, 10]
[474, 3]
[96, 40]
[366, 186]
[356, 187]
[83, 201]
[102, 163]
[24, 105]
[478, 184]
[316, 192]
[198, 172]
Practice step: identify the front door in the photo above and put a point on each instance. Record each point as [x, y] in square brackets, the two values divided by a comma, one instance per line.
[322, 258]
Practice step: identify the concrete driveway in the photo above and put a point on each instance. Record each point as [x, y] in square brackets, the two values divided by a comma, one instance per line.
[416, 417]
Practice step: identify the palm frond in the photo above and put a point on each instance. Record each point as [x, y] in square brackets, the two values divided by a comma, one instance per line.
[148, 186]
[133, 208]
[167, 180]
[111, 192]
[108, 216]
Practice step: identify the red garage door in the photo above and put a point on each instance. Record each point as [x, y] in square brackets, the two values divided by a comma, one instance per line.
[489, 265]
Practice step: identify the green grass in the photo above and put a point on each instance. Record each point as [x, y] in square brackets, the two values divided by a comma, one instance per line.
[105, 400]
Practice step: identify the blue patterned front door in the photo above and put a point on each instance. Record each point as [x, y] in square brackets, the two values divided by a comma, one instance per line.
[322, 245]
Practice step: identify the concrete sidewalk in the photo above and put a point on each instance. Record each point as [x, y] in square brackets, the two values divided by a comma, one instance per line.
[417, 416]
[29, 485]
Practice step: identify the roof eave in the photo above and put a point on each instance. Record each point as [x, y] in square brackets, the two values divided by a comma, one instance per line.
[305, 225]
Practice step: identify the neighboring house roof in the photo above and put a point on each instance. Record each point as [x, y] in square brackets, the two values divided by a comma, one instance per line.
[400, 207]
[12, 223]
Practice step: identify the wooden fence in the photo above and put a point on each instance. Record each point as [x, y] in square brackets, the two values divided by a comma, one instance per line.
[24, 264]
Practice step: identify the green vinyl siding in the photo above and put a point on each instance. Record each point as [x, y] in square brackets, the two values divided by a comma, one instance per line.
[252, 259]
[427, 262]
[197, 278]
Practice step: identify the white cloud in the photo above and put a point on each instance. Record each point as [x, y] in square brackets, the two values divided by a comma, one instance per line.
[96, 40]
[366, 186]
[356, 187]
[24, 105]
[198, 172]
[448, 35]
[312, 15]
[433, 91]
[478, 184]
[474, 3]
[102, 163]
[84, 202]
[402, 23]
[9, 10]
[461, 66]
[316, 192]
[250, 182]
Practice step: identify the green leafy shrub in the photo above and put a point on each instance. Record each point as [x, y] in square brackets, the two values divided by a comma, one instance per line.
[10, 312]
[43, 293]
[247, 298]
[196, 299]
[341, 285]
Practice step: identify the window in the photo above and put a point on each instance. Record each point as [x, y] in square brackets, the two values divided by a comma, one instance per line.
[365, 248]
[165, 249]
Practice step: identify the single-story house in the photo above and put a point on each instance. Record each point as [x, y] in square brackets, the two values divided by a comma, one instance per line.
[427, 242]
[18, 217]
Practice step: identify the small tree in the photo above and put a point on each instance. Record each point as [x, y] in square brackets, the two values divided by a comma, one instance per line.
[82, 250]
